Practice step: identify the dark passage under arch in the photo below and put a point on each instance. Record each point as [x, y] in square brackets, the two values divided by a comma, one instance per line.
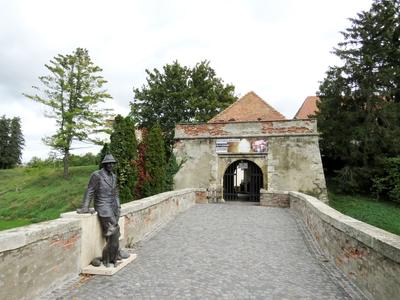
[243, 180]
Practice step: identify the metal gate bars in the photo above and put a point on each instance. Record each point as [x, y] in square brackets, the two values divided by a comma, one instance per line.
[243, 180]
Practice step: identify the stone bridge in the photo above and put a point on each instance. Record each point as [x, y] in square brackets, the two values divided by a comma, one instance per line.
[190, 250]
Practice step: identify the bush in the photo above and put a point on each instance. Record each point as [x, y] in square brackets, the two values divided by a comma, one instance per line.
[387, 184]
[53, 161]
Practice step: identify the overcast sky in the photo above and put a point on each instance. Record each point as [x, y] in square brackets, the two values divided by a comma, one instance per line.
[280, 49]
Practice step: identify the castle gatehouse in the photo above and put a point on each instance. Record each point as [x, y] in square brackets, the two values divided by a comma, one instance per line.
[248, 147]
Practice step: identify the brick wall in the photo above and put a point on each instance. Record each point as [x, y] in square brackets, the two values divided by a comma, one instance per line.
[274, 199]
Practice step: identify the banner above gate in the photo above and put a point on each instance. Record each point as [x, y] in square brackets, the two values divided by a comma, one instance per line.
[241, 145]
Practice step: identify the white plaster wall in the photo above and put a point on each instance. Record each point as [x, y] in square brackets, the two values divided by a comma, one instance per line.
[199, 169]
[294, 164]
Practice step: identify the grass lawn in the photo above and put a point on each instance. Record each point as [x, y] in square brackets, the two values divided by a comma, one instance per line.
[382, 214]
[30, 195]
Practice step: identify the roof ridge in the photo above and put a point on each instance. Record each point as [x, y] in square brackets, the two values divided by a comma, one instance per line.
[228, 107]
[244, 97]
[269, 106]
[308, 98]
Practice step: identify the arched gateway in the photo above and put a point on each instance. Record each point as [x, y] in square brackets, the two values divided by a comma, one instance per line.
[280, 154]
[242, 181]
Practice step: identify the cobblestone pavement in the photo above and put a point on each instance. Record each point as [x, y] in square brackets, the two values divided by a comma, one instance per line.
[222, 251]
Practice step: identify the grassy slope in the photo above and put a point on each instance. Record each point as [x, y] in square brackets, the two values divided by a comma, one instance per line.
[34, 195]
[382, 214]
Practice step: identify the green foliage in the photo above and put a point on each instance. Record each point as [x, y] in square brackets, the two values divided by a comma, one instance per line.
[88, 159]
[30, 195]
[73, 91]
[387, 184]
[123, 147]
[103, 152]
[172, 168]
[180, 94]
[152, 163]
[11, 142]
[382, 214]
[359, 118]
[52, 161]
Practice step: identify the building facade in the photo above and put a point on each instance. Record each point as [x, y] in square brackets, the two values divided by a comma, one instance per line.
[248, 147]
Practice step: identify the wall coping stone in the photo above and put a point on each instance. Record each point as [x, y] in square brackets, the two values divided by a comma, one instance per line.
[70, 221]
[147, 202]
[137, 205]
[21, 236]
[264, 135]
[384, 242]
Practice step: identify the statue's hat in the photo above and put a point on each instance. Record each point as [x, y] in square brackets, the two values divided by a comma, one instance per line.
[108, 159]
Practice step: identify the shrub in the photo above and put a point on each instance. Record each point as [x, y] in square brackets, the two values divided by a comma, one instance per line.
[387, 184]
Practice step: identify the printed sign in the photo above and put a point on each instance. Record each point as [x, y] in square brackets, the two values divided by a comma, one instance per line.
[241, 146]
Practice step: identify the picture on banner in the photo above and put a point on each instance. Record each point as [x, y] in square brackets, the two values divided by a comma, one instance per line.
[251, 145]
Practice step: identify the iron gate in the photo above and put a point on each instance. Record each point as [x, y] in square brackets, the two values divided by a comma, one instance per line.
[249, 188]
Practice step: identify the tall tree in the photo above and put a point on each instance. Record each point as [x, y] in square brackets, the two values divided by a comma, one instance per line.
[180, 94]
[73, 91]
[16, 142]
[123, 147]
[11, 142]
[4, 139]
[152, 163]
[359, 116]
[103, 152]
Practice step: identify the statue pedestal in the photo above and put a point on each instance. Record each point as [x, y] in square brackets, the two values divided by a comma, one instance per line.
[92, 240]
[102, 270]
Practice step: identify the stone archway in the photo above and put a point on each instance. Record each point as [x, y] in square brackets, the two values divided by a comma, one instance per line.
[242, 181]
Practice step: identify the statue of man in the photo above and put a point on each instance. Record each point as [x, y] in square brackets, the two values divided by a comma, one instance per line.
[102, 188]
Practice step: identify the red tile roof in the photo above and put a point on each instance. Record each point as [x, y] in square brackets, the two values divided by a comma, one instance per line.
[248, 108]
[308, 108]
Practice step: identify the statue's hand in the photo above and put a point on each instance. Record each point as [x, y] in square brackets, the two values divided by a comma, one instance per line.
[85, 211]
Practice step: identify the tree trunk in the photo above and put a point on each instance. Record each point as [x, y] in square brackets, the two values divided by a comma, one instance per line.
[66, 164]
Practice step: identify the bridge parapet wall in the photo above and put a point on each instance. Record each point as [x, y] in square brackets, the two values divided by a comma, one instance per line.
[38, 257]
[369, 256]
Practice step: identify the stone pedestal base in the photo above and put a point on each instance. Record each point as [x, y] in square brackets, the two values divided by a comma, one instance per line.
[102, 270]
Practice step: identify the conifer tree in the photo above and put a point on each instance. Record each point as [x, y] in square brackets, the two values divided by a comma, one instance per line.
[4, 139]
[359, 116]
[103, 152]
[154, 164]
[16, 142]
[123, 147]
[11, 142]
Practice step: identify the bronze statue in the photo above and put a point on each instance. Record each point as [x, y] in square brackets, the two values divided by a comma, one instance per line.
[102, 188]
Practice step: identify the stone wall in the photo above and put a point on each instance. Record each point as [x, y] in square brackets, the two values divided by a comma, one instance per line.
[274, 199]
[367, 255]
[199, 166]
[33, 258]
[37, 257]
[294, 164]
[292, 161]
[144, 217]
